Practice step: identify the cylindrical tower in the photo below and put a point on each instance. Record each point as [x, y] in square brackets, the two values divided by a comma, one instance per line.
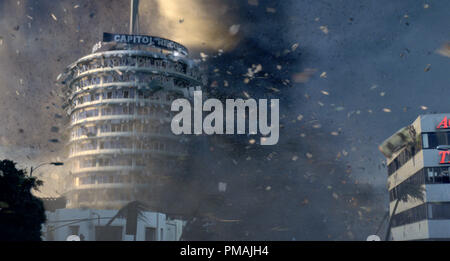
[121, 147]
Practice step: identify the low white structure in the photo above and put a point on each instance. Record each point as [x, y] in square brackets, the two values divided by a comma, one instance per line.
[89, 225]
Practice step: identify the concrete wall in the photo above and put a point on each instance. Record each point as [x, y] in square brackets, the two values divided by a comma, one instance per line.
[87, 219]
[429, 122]
[414, 231]
[439, 229]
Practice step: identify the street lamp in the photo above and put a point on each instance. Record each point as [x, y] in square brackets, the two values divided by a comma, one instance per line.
[45, 163]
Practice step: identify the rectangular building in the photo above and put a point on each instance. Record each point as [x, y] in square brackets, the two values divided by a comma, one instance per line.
[413, 157]
[91, 225]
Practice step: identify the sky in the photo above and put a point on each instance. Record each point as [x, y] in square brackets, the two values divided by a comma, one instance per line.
[348, 75]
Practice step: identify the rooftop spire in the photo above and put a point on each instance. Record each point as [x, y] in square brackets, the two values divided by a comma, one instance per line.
[134, 16]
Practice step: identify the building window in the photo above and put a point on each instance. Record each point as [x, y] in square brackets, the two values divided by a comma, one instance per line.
[432, 139]
[439, 210]
[402, 158]
[86, 163]
[431, 175]
[425, 143]
[150, 234]
[438, 175]
[74, 230]
[410, 216]
[399, 190]
[91, 113]
[108, 233]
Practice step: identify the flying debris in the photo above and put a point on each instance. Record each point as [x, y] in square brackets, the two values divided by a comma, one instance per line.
[222, 186]
[324, 29]
[444, 50]
[335, 196]
[234, 29]
[203, 56]
[304, 76]
[253, 2]
[397, 141]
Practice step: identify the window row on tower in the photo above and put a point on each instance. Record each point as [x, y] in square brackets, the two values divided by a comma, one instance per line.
[141, 79]
[123, 93]
[112, 110]
[93, 195]
[139, 62]
[111, 177]
[112, 126]
[127, 143]
[123, 161]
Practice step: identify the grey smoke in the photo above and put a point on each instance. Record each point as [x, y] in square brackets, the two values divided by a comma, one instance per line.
[375, 54]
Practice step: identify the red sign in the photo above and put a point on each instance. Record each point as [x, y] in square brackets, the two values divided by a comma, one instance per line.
[444, 124]
[443, 157]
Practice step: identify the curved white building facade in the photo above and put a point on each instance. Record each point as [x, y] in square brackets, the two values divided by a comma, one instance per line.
[121, 147]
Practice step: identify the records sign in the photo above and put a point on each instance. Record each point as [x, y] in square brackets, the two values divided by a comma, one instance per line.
[145, 40]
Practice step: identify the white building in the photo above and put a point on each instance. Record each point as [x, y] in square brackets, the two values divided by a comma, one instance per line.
[413, 158]
[121, 147]
[89, 224]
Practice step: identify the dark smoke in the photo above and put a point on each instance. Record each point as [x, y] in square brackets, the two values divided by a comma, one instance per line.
[325, 179]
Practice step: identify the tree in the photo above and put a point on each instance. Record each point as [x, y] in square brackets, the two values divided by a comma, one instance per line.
[131, 212]
[408, 190]
[21, 213]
